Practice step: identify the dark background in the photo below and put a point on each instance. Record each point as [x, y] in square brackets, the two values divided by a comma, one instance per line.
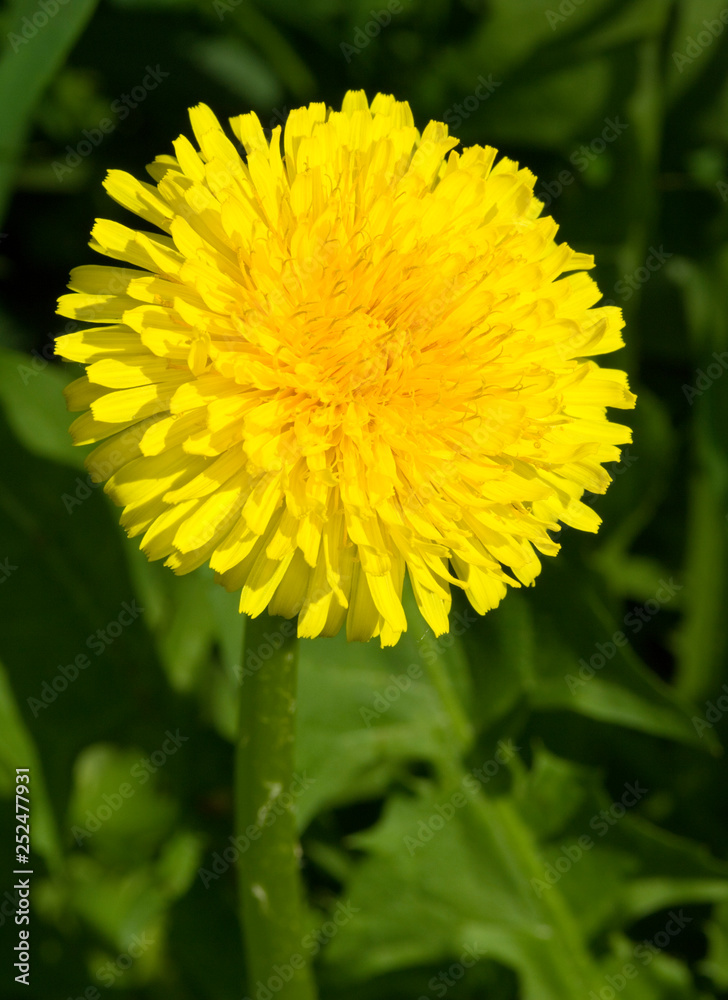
[621, 109]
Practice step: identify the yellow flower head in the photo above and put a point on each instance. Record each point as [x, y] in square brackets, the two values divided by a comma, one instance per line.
[343, 358]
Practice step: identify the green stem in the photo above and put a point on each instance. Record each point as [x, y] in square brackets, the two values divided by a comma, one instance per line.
[269, 886]
[458, 721]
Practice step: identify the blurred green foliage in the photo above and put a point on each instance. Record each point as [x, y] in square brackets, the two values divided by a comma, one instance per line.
[470, 813]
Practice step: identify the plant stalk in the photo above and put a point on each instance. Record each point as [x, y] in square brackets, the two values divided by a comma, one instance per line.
[269, 883]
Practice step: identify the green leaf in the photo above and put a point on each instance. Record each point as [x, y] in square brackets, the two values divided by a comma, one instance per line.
[35, 53]
[580, 662]
[364, 715]
[116, 811]
[31, 394]
[83, 672]
[715, 964]
[611, 864]
[703, 634]
[692, 45]
[18, 749]
[526, 879]
[441, 877]
[239, 68]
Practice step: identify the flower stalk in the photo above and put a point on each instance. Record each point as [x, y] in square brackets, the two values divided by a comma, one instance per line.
[269, 884]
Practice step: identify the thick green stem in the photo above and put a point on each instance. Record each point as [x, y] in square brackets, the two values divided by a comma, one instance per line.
[269, 885]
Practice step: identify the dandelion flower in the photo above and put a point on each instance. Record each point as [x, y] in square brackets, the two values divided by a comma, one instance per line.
[343, 354]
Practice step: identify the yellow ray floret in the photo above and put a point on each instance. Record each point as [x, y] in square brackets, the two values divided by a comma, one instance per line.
[347, 354]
